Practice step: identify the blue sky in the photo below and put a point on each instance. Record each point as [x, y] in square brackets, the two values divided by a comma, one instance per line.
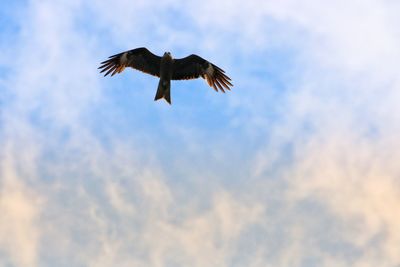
[296, 166]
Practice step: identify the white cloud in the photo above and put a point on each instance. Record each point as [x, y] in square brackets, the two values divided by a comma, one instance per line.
[20, 208]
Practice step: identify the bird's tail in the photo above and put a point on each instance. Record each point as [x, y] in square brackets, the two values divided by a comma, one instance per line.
[164, 90]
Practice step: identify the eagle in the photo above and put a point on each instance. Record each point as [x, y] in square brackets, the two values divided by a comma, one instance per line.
[167, 69]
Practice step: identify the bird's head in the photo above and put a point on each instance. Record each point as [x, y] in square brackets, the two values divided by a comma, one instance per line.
[167, 54]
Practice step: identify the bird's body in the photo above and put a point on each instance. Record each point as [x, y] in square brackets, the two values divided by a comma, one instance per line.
[164, 85]
[167, 68]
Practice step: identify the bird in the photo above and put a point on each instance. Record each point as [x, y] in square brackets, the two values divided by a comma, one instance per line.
[167, 69]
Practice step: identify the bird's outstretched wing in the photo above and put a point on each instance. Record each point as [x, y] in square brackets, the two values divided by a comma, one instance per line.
[139, 58]
[193, 66]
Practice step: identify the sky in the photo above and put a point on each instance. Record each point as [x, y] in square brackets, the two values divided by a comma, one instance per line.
[297, 166]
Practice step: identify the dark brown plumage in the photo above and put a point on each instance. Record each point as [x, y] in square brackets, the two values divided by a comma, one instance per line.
[167, 68]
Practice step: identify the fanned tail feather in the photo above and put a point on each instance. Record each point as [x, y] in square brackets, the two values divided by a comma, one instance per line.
[164, 91]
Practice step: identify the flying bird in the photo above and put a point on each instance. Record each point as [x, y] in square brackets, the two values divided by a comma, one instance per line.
[167, 69]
